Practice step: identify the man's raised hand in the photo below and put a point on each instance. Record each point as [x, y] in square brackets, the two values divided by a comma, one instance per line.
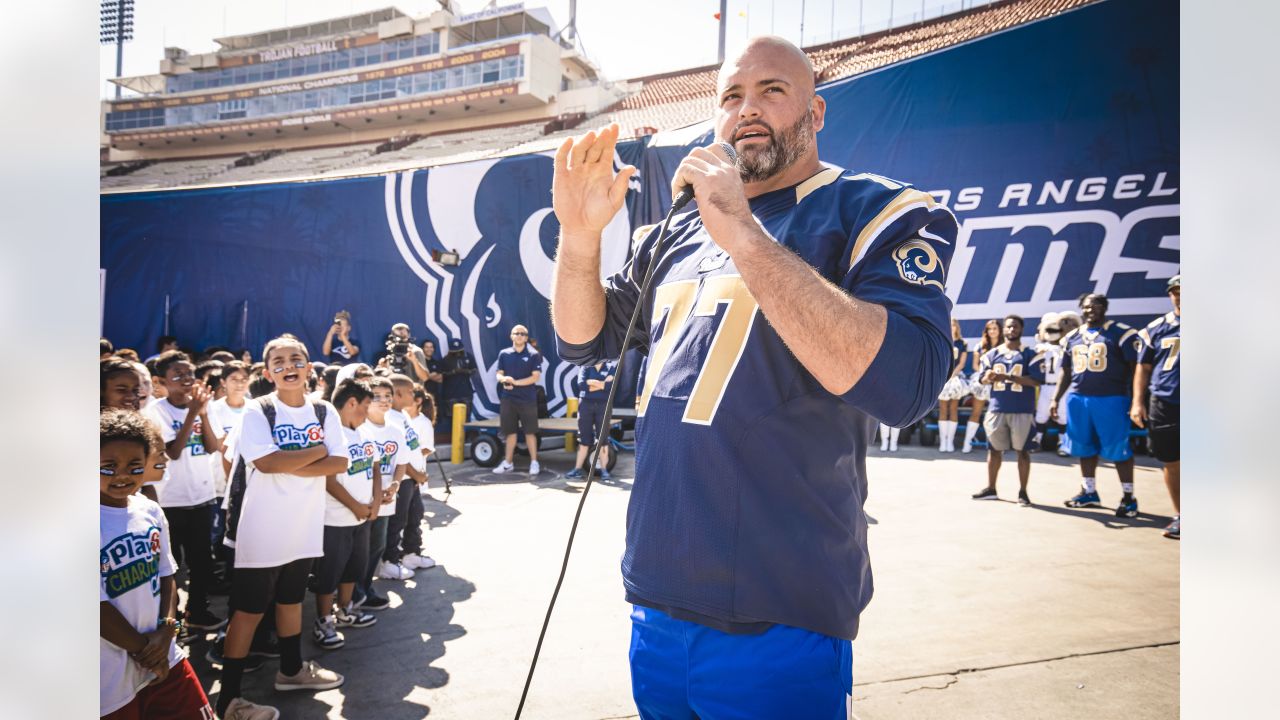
[586, 193]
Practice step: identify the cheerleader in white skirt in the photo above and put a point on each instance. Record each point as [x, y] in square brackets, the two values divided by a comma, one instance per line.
[954, 389]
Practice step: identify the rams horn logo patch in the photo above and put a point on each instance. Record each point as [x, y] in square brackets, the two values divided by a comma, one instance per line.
[918, 263]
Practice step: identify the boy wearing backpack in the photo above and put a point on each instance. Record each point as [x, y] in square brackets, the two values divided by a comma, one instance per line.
[287, 446]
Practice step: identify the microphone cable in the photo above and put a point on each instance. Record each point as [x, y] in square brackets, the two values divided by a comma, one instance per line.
[682, 199]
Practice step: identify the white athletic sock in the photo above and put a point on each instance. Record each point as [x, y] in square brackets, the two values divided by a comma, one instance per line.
[970, 432]
[884, 436]
[1089, 485]
[1127, 488]
[893, 438]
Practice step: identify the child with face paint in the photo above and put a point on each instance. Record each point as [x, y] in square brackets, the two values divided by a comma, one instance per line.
[280, 530]
[142, 672]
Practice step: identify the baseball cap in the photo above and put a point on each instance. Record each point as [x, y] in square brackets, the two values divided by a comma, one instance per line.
[455, 344]
[1174, 282]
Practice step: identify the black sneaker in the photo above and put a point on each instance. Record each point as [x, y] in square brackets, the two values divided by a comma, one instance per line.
[353, 617]
[375, 602]
[204, 620]
[1023, 500]
[214, 656]
[986, 494]
[1128, 507]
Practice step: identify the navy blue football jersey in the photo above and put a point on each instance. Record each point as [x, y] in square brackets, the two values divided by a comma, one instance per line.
[747, 507]
[1100, 361]
[1161, 344]
[1009, 397]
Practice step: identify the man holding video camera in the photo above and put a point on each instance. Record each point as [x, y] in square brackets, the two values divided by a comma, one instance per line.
[401, 354]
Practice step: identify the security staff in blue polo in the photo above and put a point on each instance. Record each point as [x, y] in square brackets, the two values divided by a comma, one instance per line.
[519, 369]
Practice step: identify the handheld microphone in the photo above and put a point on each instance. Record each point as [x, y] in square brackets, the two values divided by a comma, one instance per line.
[686, 192]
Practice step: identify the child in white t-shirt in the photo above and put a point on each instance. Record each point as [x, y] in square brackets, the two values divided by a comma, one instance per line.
[353, 499]
[188, 493]
[226, 413]
[394, 463]
[406, 544]
[280, 526]
[422, 417]
[142, 672]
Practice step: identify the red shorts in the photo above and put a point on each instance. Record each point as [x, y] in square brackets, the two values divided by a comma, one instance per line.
[179, 697]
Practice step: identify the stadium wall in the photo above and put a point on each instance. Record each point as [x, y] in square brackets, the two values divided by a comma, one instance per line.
[1055, 143]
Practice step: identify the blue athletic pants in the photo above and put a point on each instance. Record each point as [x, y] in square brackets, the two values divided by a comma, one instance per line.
[685, 671]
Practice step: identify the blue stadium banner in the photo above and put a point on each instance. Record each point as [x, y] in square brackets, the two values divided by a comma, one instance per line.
[1055, 143]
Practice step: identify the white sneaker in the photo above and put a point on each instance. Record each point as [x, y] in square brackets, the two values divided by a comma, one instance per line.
[893, 447]
[884, 447]
[503, 468]
[393, 571]
[241, 709]
[310, 677]
[326, 633]
[534, 468]
[967, 448]
[417, 562]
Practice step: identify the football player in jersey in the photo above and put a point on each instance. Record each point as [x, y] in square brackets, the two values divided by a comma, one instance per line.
[1013, 372]
[1157, 375]
[796, 308]
[1048, 347]
[1068, 320]
[1099, 357]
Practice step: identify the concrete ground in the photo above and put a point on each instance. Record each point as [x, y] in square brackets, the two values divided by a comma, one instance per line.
[981, 609]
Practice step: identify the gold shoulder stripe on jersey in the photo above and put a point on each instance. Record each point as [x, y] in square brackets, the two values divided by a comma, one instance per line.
[887, 182]
[823, 178]
[903, 202]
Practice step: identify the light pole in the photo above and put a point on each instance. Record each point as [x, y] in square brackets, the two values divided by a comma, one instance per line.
[115, 25]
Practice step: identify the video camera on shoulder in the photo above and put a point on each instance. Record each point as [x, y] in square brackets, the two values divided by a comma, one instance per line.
[398, 349]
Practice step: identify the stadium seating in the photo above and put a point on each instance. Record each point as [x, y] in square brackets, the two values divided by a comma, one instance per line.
[452, 147]
[295, 164]
[661, 102]
[174, 173]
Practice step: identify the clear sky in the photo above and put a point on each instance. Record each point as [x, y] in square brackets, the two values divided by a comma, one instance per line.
[626, 38]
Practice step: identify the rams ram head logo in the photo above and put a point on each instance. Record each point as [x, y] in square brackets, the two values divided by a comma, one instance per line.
[918, 263]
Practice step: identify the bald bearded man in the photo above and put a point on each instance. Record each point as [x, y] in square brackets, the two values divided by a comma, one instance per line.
[795, 309]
